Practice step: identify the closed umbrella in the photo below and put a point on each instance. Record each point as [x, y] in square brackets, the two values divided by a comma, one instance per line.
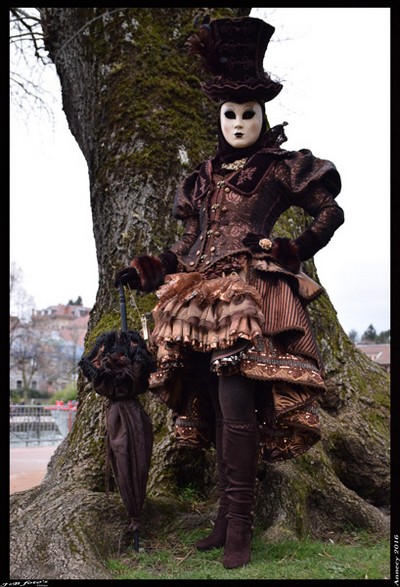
[119, 366]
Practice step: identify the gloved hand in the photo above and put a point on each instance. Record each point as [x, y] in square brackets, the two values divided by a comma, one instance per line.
[127, 276]
[146, 273]
[252, 241]
[284, 251]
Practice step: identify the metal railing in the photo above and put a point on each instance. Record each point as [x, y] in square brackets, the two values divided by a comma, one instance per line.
[40, 425]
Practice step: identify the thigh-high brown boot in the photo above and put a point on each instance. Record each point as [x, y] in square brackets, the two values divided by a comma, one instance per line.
[218, 534]
[240, 452]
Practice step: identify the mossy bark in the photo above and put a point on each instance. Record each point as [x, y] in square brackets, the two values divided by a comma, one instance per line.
[132, 101]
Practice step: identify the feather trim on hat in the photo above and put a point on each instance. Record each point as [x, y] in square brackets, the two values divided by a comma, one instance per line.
[204, 46]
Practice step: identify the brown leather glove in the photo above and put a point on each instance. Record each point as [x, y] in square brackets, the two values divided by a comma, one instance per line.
[286, 253]
[127, 276]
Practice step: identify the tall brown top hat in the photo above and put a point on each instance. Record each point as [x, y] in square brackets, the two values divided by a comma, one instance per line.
[232, 50]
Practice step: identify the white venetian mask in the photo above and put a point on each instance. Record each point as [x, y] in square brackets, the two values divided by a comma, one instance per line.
[241, 123]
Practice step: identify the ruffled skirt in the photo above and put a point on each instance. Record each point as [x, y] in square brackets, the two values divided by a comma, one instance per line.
[259, 328]
[207, 314]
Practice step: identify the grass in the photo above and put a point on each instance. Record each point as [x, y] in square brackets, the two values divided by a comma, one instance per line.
[352, 556]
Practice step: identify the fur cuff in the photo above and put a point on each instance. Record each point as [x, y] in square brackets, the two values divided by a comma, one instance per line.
[151, 272]
[308, 244]
[286, 253]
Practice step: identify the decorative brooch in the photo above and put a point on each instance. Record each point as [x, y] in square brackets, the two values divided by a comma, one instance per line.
[235, 165]
[265, 244]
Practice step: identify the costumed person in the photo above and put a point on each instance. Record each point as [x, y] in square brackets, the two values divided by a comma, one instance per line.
[238, 362]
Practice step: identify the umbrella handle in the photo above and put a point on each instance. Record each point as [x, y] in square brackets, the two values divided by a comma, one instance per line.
[122, 306]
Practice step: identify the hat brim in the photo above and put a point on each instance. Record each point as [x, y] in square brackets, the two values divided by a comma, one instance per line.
[220, 89]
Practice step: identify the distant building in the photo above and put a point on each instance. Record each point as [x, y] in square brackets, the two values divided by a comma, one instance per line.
[70, 321]
[380, 353]
[50, 345]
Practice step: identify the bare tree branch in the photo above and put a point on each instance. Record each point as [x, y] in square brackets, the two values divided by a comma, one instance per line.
[28, 62]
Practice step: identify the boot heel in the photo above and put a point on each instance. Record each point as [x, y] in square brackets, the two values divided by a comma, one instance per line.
[237, 551]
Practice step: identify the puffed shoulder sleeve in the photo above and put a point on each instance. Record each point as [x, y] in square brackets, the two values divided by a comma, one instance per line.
[183, 206]
[312, 184]
[301, 170]
[184, 209]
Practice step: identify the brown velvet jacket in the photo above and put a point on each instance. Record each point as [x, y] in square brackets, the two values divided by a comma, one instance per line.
[220, 211]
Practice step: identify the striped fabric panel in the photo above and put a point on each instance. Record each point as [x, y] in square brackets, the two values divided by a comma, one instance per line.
[286, 316]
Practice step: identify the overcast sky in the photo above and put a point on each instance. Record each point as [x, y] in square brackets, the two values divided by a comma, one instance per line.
[334, 64]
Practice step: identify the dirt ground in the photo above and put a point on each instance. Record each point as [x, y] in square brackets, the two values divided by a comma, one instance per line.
[28, 466]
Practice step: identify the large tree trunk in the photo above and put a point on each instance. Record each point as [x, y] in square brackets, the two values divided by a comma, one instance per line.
[131, 97]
